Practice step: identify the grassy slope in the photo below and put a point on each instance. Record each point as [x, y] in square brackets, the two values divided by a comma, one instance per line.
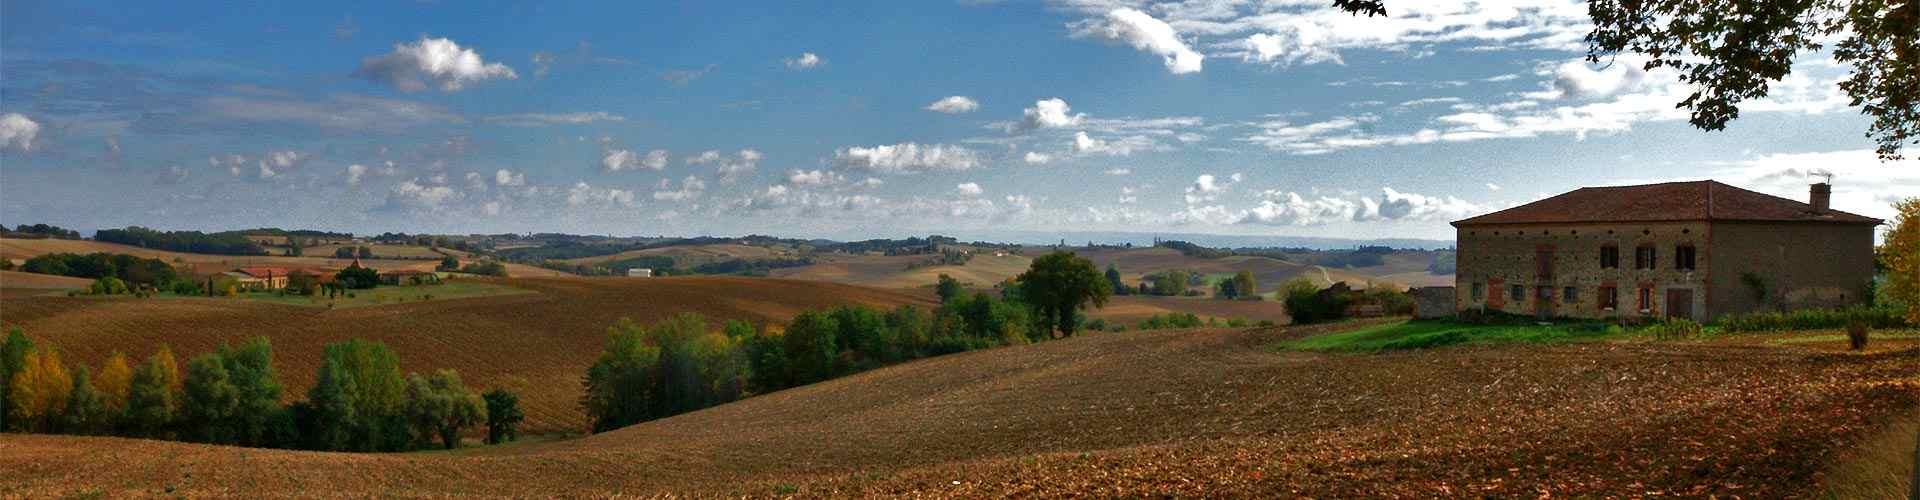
[1428, 333]
[1170, 413]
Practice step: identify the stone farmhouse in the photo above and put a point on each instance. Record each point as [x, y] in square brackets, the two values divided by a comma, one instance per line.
[1697, 250]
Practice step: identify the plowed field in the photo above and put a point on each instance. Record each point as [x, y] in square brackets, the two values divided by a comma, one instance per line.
[1186, 413]
[539, 344]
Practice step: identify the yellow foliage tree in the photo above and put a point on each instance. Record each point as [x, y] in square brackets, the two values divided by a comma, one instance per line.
[39, 390]
[1901, 253]
[169, 369]
[112, 382]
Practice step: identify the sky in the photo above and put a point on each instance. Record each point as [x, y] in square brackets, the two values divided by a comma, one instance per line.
[854, 119]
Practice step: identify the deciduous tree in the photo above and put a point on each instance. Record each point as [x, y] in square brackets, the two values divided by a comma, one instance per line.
[1901, 253]
[1061, 283]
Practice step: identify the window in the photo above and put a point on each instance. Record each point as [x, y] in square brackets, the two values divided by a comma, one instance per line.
[1479, 291]
[1683, 257]
[1609, 298]
[1610, 257]
[1644, 257]
[1646, 300]
[1517, 292]
[1567, 296]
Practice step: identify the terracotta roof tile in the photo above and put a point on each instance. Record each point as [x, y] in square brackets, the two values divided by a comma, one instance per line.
[1672, 201]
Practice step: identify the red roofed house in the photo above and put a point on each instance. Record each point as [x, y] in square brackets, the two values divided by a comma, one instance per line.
[260, 277]
[1698, 250]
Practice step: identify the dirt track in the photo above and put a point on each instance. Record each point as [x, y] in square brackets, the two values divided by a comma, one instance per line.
[1169, 412]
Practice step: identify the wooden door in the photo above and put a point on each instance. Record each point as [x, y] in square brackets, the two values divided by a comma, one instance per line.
[1680, 303]
[1543, 302]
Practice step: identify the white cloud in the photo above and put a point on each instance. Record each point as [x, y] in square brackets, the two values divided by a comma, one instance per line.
[283, 159]
[1306, 44]
[1119, 171]
[509, 178]
[1048, 113]
[17, 132]
[414, 194]
[354, 173]
[690, 189]
[969, 189]
[1862, 184]
[813, 177]
[585, 194]
[1493, 187]
[615, 160]
[907, 158]
[545, 119]
[729, 168]
[1207, 188]
[1122, 146]
[1583, 80]
[1143, 32]
[411, 67]
[954, 105]
[807, 60]
[1037, 158]
[1277, 208]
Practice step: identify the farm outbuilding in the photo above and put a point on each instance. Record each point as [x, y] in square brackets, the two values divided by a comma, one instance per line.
[639, 273]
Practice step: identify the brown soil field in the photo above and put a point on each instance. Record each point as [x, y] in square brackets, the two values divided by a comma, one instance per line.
[1131, 309]
[32, 281]
[22, 249]
[1268, 272]
[1209, 413]
[687, 254]
[982, 271]
[538, 344]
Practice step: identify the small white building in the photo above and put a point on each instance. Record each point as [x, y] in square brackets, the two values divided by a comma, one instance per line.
[639, 273]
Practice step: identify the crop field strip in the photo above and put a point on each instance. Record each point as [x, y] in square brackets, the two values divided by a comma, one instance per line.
[1196, 412]
[538, 343]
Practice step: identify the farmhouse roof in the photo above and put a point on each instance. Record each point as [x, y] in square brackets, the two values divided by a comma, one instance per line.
[1666, 202]
[262, 271]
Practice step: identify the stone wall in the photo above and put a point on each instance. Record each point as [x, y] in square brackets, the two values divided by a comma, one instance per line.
[1431, 302]
[1498, 257]
[1797, 265]
[1802, 265]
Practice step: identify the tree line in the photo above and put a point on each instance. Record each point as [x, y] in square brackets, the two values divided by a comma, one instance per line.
[682, 364]
[223, 243]
[360, 401]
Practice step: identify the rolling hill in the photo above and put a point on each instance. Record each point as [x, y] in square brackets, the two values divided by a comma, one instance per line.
[1169, 413]
[21, 249]
[539, 344]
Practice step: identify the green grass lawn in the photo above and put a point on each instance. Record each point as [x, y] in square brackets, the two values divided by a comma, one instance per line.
[1420, 334]
[452, 289]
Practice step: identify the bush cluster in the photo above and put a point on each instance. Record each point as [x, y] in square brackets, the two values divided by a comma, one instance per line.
[127, 268]
[1308, 303]
[1814, 319]
[232, 396]
[681, 364]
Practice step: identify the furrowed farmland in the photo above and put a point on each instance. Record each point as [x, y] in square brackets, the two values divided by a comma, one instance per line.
[536, 343]
[1182, 413]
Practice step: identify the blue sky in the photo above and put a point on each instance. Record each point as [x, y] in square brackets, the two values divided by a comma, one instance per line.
[862, 119]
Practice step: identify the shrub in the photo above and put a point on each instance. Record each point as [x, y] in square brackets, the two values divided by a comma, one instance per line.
[1857, 335]
[503, 415]
[1675, 329]
[439, 406]
[356, 399]
[1814, 319]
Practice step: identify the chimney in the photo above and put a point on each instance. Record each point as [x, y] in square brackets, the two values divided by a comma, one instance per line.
[1820, 195]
